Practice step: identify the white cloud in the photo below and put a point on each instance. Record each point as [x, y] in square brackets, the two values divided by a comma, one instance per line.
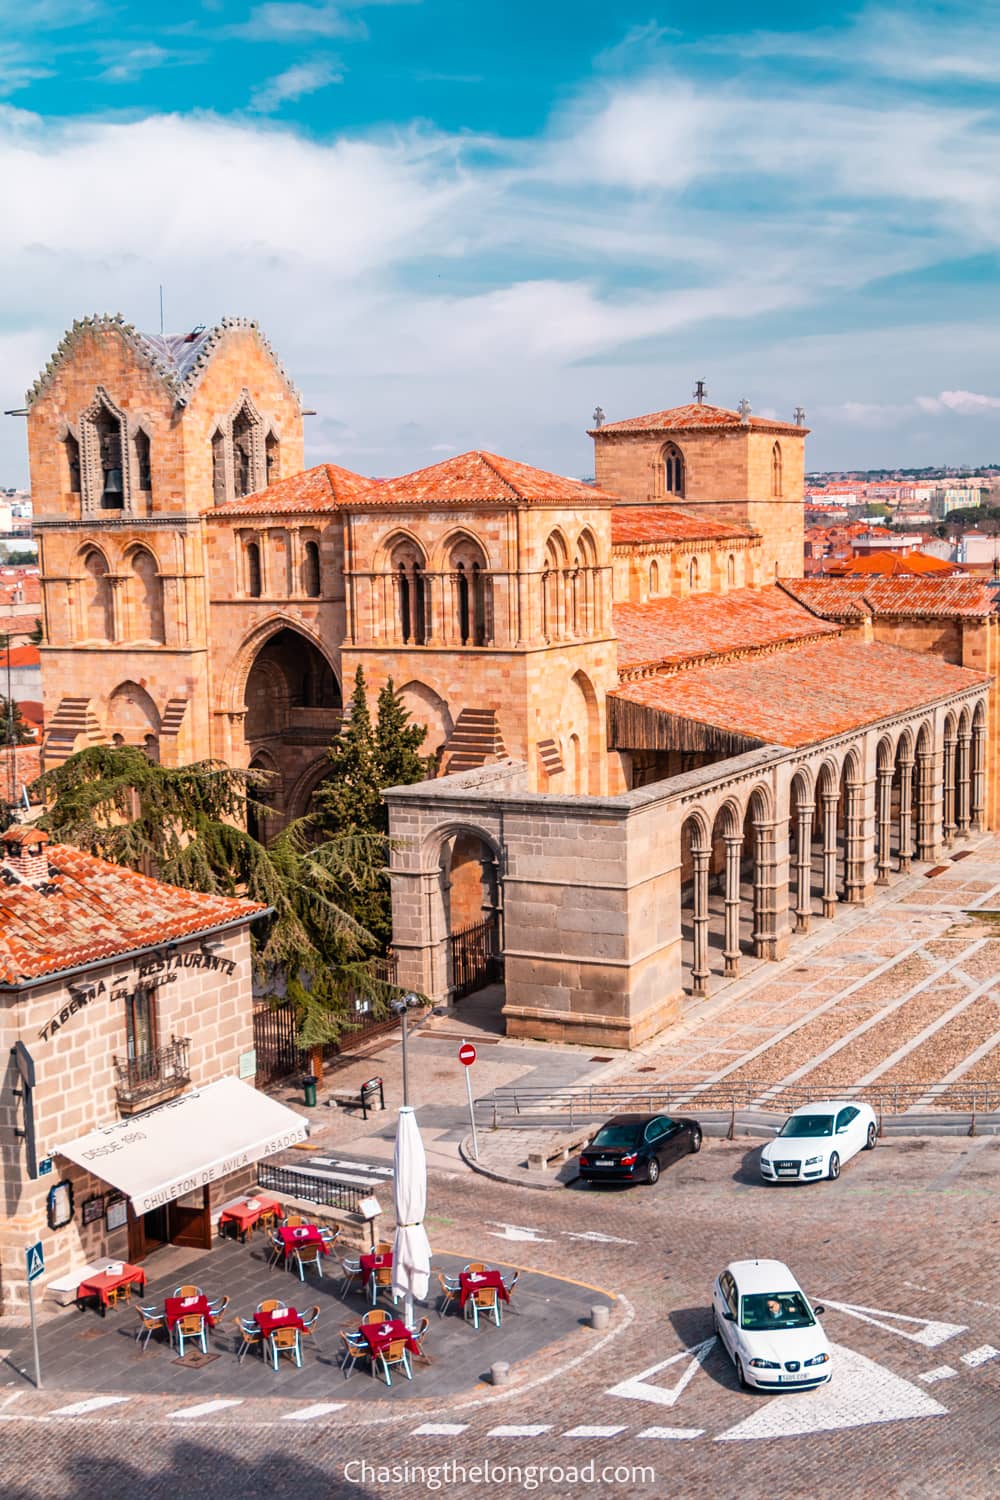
[123, 63]
[18, 69]
[290, 21]
[967, 403]
[294, 83]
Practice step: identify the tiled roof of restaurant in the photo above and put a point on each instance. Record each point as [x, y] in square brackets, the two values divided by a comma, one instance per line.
[668, 631]
[91, 909]
[468, 478]
[27, 769]
[890, 564]
[805, 694]
[847, 598]
[693, 418]
[327, 487]
[663, 523]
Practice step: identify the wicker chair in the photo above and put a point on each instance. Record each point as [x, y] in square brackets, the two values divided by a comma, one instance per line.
[151, 1320]
[250, 1335]
[285, 1341]
[450, 1291]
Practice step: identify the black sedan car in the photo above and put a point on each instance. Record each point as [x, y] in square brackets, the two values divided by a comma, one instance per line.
[633, 1148]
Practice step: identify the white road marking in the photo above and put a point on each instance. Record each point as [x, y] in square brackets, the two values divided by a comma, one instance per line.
[439, 1429]
[671, 1432]
[202, 1410]
[931, 1333]
[94, 1403]
[362, 1166]
[594, 1431]
[940, 1372]
[307, 1413]
[520, 1431]
[595, 1238]
[637, 1387]
[860, 1393]
[981, 1355]
[976, 991]
[516, 1232]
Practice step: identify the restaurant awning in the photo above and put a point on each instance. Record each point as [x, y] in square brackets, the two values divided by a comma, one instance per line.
[195, 1139]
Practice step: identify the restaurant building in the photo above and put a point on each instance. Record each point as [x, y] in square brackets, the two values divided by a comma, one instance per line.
[127, 1108]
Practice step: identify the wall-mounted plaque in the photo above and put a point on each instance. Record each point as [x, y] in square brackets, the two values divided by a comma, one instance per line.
[92, 1209]
[116, 1213]
[59, 1205]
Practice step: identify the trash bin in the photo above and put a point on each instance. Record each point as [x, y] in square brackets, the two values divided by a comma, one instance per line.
[309, 1083]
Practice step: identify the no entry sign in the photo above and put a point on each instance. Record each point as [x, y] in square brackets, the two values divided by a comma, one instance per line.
[467, 1054]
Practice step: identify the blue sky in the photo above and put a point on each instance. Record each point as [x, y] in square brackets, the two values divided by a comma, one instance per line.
[464, 225]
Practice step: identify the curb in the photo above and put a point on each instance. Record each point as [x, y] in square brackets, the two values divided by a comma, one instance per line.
[465, 1152]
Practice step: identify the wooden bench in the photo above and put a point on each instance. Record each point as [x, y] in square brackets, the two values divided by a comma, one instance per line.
[557, 1151]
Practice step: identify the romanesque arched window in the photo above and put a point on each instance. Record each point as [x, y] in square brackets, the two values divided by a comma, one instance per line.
[107, 430]
[693, 574]
[310, 570]
[407, 565]
[673, 470]
[145, 597]
[253, 570]
[776, 470]
[654, 577]
[71, 453]
[243, 454]
[98, 609]
[272, 458]
[731, 570]
[473, 602]
[143, 466]
[218, 466]
[556, 559]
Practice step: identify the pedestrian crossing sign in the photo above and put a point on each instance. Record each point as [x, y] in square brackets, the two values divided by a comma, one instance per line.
[35, 1261]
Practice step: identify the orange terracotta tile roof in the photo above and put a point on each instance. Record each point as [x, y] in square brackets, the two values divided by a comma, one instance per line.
[663, 523]
[890, 564]
[693, 418]
[480, 476]
[851, 598]
[475, 477]
[21, 656]
[97, 910]
[325, 488]
[806, 694]
[669, 631]
[25, 590]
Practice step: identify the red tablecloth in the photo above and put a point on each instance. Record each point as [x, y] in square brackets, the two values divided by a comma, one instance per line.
[478, 1281]
[298, 1239]
[175, 1308]
[285, 1317]
[372, 1262]
[378, 1335]
[246, 1217]
[103, 1283]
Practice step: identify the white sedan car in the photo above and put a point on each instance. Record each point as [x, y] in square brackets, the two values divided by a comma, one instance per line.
[817, 1139]
[765, 1324]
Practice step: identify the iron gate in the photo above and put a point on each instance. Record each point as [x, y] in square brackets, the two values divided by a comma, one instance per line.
[476, 959]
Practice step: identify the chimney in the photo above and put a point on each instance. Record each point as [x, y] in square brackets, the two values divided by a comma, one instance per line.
[24, 854]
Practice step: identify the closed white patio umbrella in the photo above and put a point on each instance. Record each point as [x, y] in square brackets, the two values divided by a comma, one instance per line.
[411, 1252]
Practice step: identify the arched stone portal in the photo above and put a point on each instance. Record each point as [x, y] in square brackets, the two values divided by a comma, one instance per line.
[470, 880]
[293, 711]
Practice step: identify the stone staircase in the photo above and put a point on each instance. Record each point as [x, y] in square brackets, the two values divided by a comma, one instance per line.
[474, 741]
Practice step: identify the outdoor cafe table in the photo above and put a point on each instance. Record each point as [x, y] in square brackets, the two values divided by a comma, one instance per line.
[298, 1238]
[105, 1282]
[480, 1281]
[176, 1308]
[278, 1317]
[379, 1335]
[244, 1216]
[375, 1262]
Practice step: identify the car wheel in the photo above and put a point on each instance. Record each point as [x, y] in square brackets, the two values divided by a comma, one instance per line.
[740, 1375]
[872, 1137]
[653, 1171]
[834, 1171]
[695, 1141]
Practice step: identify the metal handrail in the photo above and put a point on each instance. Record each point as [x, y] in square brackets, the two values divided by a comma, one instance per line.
[164, 1067]
[584, 1100]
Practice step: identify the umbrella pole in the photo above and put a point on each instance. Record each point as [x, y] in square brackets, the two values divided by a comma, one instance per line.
[408, 1309]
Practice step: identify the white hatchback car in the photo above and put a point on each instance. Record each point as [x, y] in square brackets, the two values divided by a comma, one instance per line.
[765, 1324]
[817, 1139]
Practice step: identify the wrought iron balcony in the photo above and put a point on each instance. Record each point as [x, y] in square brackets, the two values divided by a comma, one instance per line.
[152, 1077]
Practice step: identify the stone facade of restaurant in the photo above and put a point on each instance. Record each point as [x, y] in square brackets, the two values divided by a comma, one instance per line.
[74, 1022]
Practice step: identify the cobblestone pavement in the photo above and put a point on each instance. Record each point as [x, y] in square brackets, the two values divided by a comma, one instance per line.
[902, 1251]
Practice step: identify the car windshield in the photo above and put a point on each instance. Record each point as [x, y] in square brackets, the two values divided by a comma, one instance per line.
[808, 1125]
[775, 1310]
[614, 1137]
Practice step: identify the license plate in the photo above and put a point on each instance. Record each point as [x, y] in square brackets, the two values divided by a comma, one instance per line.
[602, 1162]
[787, 1172]
[801, 1375]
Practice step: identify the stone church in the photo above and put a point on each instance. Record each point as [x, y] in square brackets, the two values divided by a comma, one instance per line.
[660, 752]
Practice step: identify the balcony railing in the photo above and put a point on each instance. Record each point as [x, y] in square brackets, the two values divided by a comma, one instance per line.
[153, 1076]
